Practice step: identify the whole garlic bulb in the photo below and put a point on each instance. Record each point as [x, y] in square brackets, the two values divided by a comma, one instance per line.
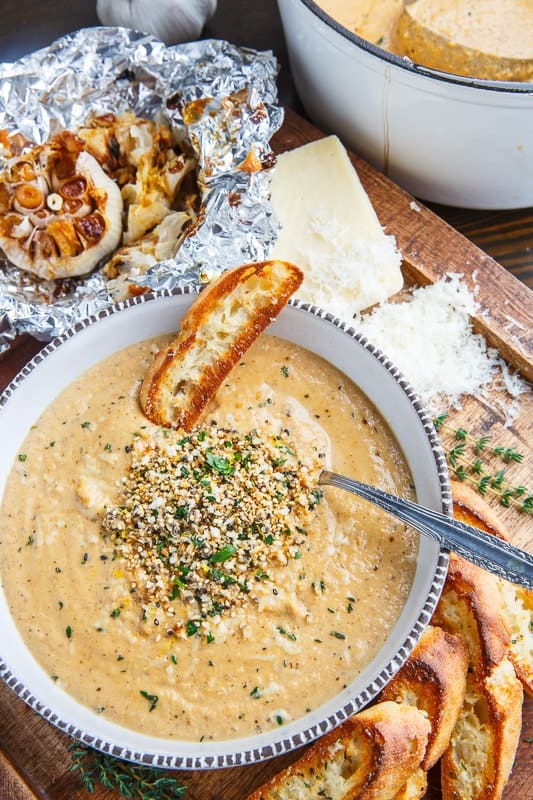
[171, 21]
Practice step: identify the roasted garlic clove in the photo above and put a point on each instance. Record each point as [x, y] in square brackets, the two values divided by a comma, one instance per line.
[65, 217]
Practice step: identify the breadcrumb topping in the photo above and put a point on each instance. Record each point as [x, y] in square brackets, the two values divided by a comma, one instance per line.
[203, 515]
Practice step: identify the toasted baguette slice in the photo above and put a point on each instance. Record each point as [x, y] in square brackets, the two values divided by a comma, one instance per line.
[226, 318]
[371, 756]
[434, 680]
[470, 507]
[479, 759]
[517, 605]
[470, 606]
[416, 786]
[516, 601]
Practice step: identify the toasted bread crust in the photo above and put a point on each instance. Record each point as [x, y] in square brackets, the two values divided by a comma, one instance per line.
[226, 318]
[416, 786]
[470, 606]
[469, 507]
[371, 756]
[478, 761]
[434, 680]
[516, 601]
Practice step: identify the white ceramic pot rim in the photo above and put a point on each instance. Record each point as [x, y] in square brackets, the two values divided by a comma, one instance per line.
[505, 87]
[78, 722]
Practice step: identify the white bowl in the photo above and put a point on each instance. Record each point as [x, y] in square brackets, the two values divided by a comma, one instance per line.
[444, 138]
[64, 359]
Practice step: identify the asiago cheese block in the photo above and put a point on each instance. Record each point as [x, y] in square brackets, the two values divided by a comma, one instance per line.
[330, 230]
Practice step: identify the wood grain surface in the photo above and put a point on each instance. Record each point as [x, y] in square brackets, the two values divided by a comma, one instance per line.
[34, 761]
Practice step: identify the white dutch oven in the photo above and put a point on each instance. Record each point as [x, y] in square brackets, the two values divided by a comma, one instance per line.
[444, 138]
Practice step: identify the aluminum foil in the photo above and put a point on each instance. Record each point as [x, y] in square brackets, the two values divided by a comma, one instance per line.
[222, 96]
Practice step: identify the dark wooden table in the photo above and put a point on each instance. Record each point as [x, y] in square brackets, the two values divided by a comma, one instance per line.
[505, 235]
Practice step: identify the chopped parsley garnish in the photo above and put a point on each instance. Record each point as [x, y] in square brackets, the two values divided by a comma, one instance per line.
[219, 463]
[192, 627]
[225, 554]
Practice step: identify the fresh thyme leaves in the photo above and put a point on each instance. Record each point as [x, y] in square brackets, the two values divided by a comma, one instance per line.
[153, 699]
[288, 634]
[508, 454]
[132, 781]
[468, 457]
[338, 635]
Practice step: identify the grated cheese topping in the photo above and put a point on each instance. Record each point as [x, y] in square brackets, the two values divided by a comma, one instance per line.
[430, 339]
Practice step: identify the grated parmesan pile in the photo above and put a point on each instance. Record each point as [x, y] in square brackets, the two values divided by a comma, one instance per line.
[430, 339]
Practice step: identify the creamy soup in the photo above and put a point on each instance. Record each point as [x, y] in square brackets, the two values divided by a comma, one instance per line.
[373, 20]
[486, 39]
[312, 607]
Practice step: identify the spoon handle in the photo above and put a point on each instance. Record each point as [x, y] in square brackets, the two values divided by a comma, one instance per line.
[483, 549]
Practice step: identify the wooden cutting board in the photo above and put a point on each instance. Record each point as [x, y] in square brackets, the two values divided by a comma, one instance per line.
[34, 761]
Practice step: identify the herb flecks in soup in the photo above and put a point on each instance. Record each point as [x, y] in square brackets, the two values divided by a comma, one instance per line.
[330, 595]
[203, 516]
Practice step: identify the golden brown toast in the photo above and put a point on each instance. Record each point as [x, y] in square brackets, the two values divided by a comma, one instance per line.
[434, 680]
[516, 601]
[416, 786]
[371, 756]
[470, 507]
[222, 323]
[479, 759]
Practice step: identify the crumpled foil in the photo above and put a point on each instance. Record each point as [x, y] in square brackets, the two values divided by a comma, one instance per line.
[222, 96]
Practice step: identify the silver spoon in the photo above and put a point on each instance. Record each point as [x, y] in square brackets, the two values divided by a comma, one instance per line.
[483, 549]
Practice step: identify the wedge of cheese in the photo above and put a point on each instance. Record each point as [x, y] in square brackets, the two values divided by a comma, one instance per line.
[330, 230]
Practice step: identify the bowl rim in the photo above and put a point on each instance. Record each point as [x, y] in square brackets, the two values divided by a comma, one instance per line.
[405, 63]
[278, 743]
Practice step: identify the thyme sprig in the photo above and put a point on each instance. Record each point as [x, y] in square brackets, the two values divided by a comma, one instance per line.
[467, 459]
[133, 781]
